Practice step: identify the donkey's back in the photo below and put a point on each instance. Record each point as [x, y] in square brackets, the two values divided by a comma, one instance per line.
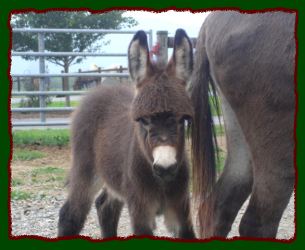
[101, 121]
[100, 106]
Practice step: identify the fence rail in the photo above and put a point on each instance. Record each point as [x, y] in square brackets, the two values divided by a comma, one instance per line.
[38, 124]
[163, 41]
[105, 31]
[42, 54]
[47, 93]
[48, 54]
[47, 109]
[42, 75]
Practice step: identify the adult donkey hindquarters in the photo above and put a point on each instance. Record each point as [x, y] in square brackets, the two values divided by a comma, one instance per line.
[130, 140]
[251, 60]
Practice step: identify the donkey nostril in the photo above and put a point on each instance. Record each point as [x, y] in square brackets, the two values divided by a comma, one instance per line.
[158, 169]
[154, 166]
[165, 173]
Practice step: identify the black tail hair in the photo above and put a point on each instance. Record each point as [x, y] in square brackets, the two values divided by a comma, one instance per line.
[203, 141]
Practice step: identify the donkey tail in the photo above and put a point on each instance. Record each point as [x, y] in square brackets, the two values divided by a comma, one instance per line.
[203, 140]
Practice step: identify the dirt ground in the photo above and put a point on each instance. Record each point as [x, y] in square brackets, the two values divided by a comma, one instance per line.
[38, 213]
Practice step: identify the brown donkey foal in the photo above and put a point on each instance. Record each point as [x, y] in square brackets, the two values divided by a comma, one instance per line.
[130, 142]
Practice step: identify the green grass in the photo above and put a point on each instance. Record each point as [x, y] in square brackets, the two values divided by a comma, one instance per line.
[37, 183]
[21, 195]
[62, 104]
[47, 170]
[48, 174]
[47, 137]
[26, 155]
[17, 182]
[53, 104]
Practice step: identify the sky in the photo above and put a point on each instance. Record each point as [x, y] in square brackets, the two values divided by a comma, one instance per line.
[170, 21]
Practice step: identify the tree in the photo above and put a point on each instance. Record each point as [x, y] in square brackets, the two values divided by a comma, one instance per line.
[63, 42]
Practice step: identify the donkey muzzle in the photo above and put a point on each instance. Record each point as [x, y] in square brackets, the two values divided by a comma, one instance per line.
[165, 162]
[166, 174]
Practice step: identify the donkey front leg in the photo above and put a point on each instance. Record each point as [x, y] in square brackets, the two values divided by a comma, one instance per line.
[108, 210]
[178, 219]
[142, 216]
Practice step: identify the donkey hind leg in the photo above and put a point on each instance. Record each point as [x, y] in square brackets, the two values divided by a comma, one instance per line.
[273, 183]
[235, 183]
[264, 213]
[108, 210]
[73, 213]
[271, 192]
[178, 220]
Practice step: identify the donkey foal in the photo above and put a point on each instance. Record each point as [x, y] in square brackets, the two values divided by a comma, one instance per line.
[130, 142]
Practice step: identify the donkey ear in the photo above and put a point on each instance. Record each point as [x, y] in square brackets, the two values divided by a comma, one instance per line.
[182, 59]
[138, 57]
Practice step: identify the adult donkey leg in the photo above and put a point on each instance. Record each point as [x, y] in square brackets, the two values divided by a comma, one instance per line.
[235, 183]
[108, 210]
[274, 176]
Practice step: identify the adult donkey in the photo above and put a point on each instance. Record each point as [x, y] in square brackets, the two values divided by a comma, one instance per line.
[131, 141]
[250, 58]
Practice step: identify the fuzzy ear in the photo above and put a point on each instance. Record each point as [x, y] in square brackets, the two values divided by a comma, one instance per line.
[182, 59]
[138, 57]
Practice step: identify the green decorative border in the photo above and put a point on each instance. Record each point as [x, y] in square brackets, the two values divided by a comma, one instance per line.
[95, 5]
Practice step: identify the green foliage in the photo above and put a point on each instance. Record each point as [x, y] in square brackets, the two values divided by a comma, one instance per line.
[215, 106]
[44, 137]
[76, 42]
[221, 161]
[26, 155]
[219, 130]
[33, 85]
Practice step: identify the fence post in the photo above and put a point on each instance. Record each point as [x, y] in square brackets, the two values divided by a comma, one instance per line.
[42, 85]
[18, 84]
[150, 39]
[162, 56]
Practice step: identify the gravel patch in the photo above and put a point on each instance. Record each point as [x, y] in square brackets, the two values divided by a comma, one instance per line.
[39, 217]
